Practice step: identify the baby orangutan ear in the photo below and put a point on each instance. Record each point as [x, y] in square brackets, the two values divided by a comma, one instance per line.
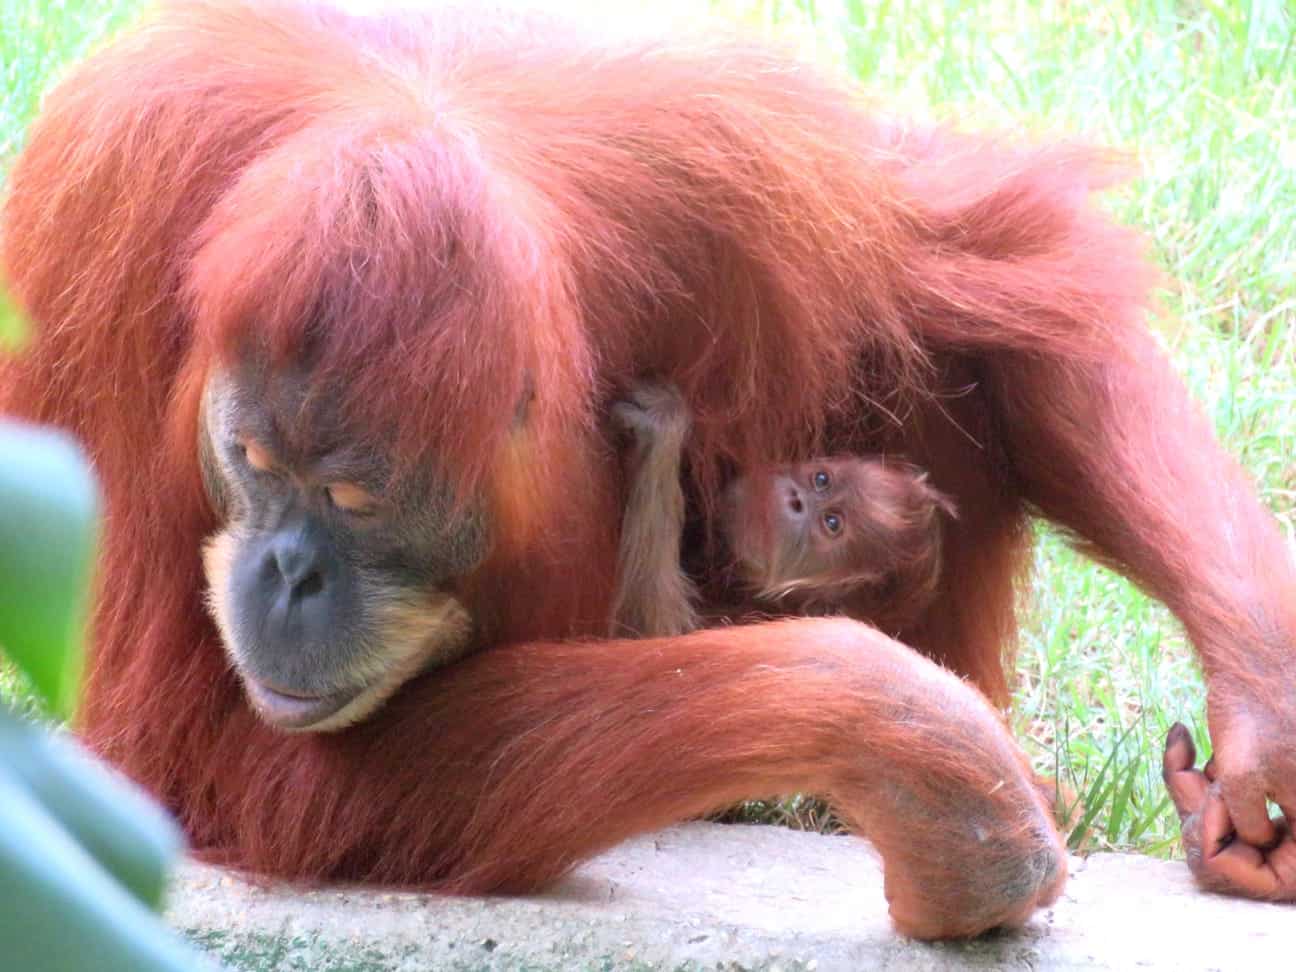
[943, 502]
[920, 480]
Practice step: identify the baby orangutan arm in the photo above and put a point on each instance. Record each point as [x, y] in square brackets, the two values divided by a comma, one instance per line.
[654, 597]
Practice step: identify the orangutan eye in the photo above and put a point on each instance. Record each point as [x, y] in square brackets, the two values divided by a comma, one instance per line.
[257, 456]
[832, 523]
[351, 498]
[821, 480]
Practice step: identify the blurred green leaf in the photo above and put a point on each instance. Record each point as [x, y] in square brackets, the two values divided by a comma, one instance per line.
[62, 912]
[12, 330]
[49, 500]
[105, 813]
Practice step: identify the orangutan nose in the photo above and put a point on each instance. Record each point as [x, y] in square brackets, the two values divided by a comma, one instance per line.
[795, 502]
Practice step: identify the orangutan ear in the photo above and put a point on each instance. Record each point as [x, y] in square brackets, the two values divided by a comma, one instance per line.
[208, 460]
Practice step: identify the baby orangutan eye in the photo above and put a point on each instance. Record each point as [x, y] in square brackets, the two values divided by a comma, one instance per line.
[351, 498]
[821, 480]
[832, 523]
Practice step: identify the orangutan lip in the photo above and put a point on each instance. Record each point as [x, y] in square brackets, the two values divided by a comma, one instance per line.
[295, 711]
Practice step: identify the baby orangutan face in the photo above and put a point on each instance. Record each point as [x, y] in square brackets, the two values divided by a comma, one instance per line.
[819, 533]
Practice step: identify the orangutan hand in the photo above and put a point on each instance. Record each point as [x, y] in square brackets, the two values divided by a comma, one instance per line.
[1255, 861]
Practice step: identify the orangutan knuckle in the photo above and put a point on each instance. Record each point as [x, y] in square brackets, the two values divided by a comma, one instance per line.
[665, 407]
[629, 416]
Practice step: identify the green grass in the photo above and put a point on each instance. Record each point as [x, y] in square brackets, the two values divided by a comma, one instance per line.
[1203, 94]
[36, 39]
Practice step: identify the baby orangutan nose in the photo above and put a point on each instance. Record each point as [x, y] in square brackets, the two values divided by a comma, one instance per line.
[789, 500]
[795, 504]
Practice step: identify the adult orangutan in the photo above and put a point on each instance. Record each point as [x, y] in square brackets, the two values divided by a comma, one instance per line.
[344, 302]
[856, 536]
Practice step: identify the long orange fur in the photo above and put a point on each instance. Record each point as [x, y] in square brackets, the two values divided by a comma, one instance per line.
[448, 213]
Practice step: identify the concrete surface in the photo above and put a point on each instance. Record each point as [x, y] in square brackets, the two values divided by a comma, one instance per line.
[705, 896]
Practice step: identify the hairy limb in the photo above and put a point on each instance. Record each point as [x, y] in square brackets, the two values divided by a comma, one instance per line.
[1116, 452]
[654, 596]
[534, 757]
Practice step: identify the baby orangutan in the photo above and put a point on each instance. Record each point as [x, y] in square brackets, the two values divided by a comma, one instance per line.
[852, 535]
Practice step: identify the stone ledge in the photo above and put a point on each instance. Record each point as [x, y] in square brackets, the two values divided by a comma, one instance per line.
[705, 896]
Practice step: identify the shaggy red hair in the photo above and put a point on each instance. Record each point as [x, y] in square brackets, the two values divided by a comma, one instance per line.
[446, 217]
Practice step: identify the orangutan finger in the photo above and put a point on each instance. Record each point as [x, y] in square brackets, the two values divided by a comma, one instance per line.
[1245, 798]
[1241, 869]
[1231, 864]
[1282, 859]
[1180, 751]
[1210, 770]
[1187, 786]
[1217, 830]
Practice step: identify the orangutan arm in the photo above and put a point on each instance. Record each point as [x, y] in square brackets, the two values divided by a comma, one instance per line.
[534, 757]
[654, 596]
